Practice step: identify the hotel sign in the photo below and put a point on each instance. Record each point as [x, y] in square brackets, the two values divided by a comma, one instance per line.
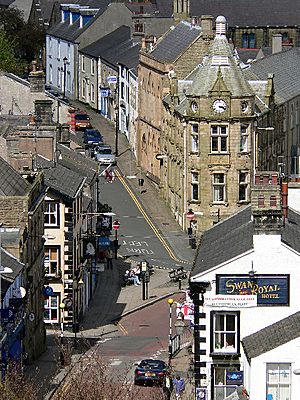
[269, 289]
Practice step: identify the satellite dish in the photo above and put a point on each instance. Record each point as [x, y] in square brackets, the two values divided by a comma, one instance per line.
[22, 291]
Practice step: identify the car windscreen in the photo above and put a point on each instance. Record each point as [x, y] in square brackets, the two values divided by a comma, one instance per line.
[94, 134]
[104, 151]
[152, 364]
[81, 117]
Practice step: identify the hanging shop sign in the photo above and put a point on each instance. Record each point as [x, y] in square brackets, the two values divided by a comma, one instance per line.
[103, 241]
[104, 92]
[269, 289]
[234, 378]
[230, 301]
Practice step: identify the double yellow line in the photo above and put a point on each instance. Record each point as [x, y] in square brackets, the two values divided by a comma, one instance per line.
[143, 212]
[122, 329]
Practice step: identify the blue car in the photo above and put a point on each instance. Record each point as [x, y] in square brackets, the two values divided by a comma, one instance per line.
[92, 137]
[150, 371]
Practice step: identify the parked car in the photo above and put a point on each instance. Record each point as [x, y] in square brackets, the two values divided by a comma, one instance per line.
[150, 371]
[104, 155]
[82, 121]
[92, 137]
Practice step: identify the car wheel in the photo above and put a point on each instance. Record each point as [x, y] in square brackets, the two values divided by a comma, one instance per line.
[137, 383]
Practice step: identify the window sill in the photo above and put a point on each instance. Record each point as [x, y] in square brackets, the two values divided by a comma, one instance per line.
[219, 203]
[221, 153]
[225, 354]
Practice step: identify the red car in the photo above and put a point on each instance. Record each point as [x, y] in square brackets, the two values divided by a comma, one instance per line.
[150, 371]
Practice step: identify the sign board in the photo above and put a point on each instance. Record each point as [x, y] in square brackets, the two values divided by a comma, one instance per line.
[112, 79]
[116, 225]
[7, 315]
[104, 223]
[234, 378]
[187, 310]
[48, 291]
[200, 393]
[89, 247]
[103, 241]
[230, 301]
[104, 92]
[269, 289]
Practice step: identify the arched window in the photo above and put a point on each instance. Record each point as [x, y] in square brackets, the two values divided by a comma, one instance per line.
[245, 40]
[251, 41]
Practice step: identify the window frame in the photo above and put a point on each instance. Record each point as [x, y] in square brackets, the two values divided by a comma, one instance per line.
[52, 249]
[218, 184]
[195, 186]
[278, 383]
[244, 136]
[217, 138]
[225, 350]
[55, 213]
[245, 185]
[82, 63]
[49, 307]
[194, 138]
[92, 66]
[227, 389]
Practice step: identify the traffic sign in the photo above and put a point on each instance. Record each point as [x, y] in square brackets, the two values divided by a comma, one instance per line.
[112, 79]
[116, 225]
[48, 291]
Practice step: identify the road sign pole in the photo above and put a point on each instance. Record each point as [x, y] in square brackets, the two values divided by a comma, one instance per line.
[116, 226]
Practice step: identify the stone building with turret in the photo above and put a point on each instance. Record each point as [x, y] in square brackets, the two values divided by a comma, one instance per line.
[206, 140]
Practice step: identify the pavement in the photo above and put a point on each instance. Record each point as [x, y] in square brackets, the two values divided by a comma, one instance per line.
[111, 301]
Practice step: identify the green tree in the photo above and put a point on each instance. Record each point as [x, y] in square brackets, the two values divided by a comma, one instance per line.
[8, 61]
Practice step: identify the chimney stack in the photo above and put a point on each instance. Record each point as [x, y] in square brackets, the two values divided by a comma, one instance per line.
[36, 80]
[207, 22]
[276, 43]
[43, 112]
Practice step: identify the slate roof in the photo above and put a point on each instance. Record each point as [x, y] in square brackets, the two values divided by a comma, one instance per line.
[272, 336]
[285, 67]
[157, 9]
[250, 13]
[11, 182]
[224, 241]
[108, 43]
[74, 161]
[69, 32]
[24, 6]
[234, 236]
[130, 58]
[175, 41]
[291, 230]
[206, 74]
[60, 179]
[8, 260]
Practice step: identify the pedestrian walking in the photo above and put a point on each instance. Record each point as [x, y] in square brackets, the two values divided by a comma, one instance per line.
[167, 387]
[179, 386]
[109, 258]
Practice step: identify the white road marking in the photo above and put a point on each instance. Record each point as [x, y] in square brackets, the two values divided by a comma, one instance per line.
[104, 340]
[116, 361]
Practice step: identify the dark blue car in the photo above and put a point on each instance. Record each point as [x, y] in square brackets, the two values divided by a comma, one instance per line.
[92, 137]
[150, 371]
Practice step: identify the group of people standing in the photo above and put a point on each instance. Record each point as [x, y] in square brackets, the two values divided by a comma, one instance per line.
[177, 384]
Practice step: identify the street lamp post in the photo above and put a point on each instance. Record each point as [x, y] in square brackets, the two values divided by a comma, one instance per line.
[62, 310]
[170, 302]
[65, 60]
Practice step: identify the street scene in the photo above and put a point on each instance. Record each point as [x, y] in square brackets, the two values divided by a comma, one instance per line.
[149, 200]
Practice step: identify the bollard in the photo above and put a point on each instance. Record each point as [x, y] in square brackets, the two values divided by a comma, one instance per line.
[179, 283]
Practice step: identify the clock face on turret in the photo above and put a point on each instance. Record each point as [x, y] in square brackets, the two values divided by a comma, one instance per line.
[219, 106]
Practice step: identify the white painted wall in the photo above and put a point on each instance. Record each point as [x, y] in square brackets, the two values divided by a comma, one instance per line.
[287, 353]
[269, 256]
[294, 198]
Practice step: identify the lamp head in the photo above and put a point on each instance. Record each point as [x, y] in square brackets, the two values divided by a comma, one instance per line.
[170, 301]
[80, 282]
[62, 305]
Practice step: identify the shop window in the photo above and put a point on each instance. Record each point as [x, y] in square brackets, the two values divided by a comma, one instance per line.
[219, 138]
[225, 332]
[51, 214]
[221, 388]
[51, 310]
[279, 381]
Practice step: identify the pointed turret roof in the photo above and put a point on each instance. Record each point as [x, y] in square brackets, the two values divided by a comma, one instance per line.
[220, 69]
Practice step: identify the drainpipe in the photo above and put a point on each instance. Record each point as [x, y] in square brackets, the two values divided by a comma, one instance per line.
[185, 206]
